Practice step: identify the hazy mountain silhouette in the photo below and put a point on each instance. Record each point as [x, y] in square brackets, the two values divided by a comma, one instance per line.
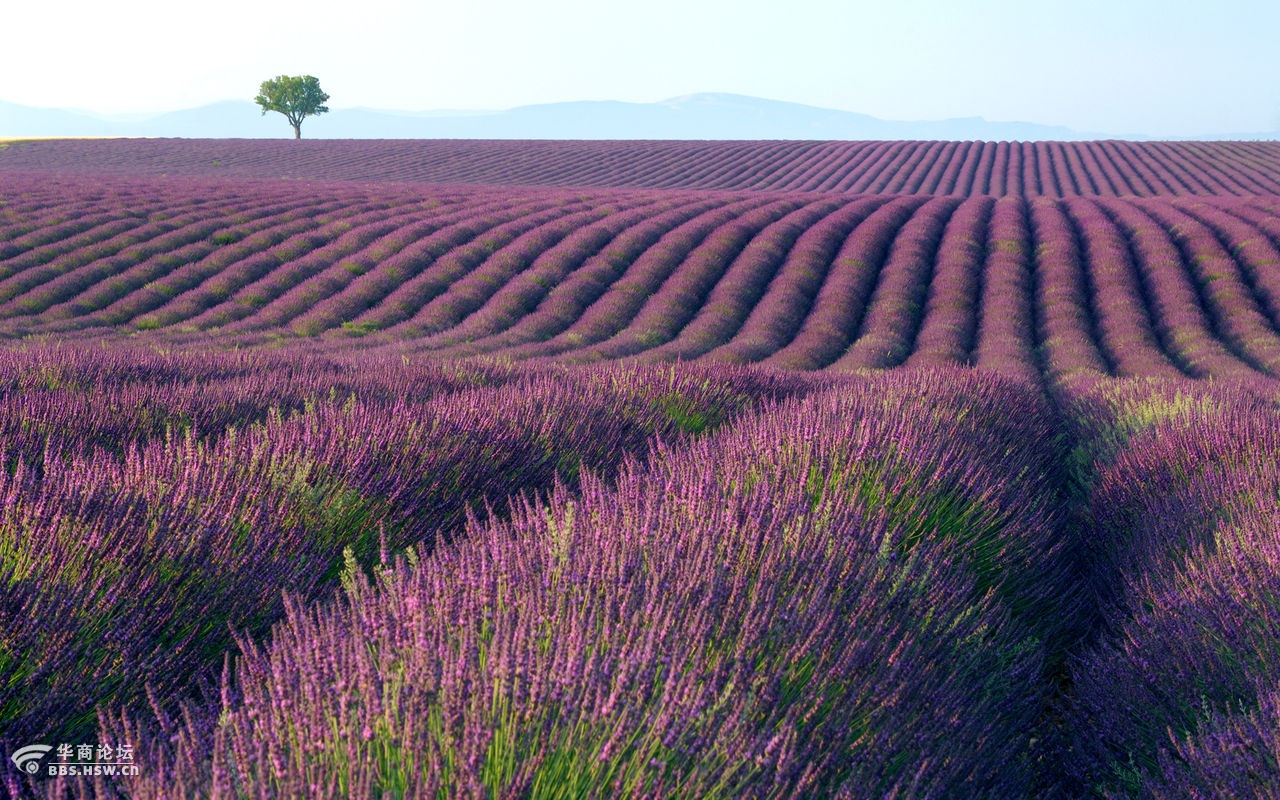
[697, 116]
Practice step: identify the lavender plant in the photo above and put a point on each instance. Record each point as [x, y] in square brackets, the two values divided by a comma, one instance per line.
[548, 655]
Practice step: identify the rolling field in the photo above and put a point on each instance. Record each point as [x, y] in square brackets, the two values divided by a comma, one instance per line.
[641, 469]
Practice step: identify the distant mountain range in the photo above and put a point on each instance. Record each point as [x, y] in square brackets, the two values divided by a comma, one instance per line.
[697, 116]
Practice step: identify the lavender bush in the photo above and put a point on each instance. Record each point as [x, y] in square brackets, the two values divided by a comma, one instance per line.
[546, 654]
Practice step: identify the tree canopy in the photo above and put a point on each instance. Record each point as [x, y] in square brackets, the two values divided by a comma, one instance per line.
[295, 96]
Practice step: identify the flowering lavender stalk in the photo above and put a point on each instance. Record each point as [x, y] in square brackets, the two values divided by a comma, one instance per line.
[145, 541]
[1232, 756]
[1179, 539]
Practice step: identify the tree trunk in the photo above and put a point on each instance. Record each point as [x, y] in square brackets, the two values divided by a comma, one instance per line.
[297, 131]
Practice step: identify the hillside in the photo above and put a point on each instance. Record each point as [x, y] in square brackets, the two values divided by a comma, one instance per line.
[712, 116]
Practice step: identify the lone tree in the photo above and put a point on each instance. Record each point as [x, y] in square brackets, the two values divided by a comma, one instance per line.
[295, 96]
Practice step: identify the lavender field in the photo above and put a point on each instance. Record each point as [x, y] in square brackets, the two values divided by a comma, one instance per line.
[641, 469]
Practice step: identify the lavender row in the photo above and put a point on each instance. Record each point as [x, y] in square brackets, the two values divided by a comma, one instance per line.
[1024, 169]
[1006, 328]
[729, 302]
[786, 301]
[1180, 523]
[1124, 318]
[1228, 294]
[35, 281]
[152, 283]
[1179, 317]
[128, 566]
[947, 332]
[675, 302]
[563, 303]
[211, 224]
[244, 255]
[836, 314]
[433, 277]
[840, 596]
[1068, 325]
[1255, 254]
[894, 312]
[281, 291]
[383, 285]
[619, 302]
[470, 291]
[525, 291]
[1070, 288]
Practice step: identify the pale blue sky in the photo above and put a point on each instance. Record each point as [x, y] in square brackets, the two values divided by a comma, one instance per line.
[1155, 67]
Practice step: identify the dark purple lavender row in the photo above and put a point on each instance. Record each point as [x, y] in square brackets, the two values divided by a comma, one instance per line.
[1179, 538]
[1006, 334]
[133, 292]
[1123, 315]
[229, 223]
[1081, 287]
[304, 275]
[1174, 298]
[498, 229]
[603, 311]
[1228, 292]
[837, 310]
[1056, 169]
[1068, 324]
[397, 258]
[776, 318]
[745, 281]
[947, 332]
[524, 291]
[471, 290]
[895, 310]
[564, 303]
[1255, 250]
[100, 249]
[842, 596]
[672, 304]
